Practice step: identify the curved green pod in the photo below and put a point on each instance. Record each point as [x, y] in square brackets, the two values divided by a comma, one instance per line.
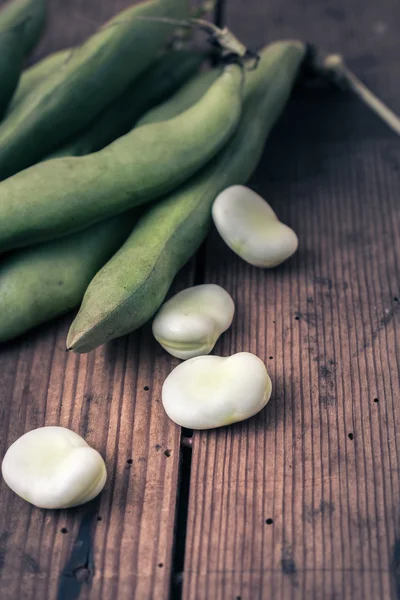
[47, 280]
[31, 14]
[64, 195]
[21, 23]
[129, 289]
[11, 61]
[158, 82]
[97, 72]
[189, 94]
[34, 75]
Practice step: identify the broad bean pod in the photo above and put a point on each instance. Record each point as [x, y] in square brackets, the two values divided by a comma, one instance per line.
[31, 14]
[158, 82]
[40, 283]
[129, 289]
[35, 75]
[187, 96]
[11, 61]
[64, 195]
[96, 73]
[21, 23]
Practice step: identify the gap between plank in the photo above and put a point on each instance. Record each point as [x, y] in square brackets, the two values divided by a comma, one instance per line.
[182, 511]
[184, 475]
[185, 466]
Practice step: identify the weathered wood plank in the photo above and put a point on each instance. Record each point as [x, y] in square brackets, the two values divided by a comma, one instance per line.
[286, 505]
[122, 543]
[333, 501]
[322, 459]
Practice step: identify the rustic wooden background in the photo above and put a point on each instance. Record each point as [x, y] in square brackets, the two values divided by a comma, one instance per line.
[302, 501]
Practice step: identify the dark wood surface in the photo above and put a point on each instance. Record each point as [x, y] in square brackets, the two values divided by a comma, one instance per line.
[322, 460]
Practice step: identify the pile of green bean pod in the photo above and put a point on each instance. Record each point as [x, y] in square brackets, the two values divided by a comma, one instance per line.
[21, 23]
[49, 279]
[95, 74]
[90, 136]
[64, 195]
[129, 289]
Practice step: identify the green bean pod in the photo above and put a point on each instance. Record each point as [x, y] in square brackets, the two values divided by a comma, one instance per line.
[47, 280]
[96, 73]
[36, 74]
[31, 14]
[129, 289]
[11, 61]
[21, 23]
[157, 83]
[184, 98]
[64, 195]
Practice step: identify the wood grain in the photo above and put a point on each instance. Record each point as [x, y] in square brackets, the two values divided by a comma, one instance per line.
[301, 502]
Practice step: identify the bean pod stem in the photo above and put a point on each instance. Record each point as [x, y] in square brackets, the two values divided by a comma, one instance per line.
[334, 69]
[230, 46]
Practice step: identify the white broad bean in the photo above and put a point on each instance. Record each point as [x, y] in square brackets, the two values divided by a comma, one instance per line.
[53, 467]
[212, 391]
[249, 226]
[190, 323]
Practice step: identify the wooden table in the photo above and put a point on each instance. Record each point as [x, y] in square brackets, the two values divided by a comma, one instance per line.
[302, 501]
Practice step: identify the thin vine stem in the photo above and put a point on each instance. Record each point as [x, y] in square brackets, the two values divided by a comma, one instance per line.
[336, 69]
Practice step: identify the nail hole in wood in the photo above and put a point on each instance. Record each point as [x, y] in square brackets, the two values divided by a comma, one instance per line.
[270, 357]
[99, 518]
[161, 565]
[351, 436]
[269, 521]
[297, 318]
[146, 388]
[376, 399]
[129, 461]
[167, 453]
[396, 299]
[64, 530]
